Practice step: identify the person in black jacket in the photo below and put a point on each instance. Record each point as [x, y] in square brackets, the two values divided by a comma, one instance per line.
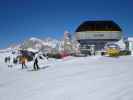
[36, 66]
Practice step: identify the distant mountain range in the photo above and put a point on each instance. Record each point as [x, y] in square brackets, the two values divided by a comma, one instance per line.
[36, 44]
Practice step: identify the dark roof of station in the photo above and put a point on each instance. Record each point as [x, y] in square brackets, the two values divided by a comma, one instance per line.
[100, 25]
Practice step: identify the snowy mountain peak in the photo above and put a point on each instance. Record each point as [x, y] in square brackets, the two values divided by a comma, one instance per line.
[34, 39]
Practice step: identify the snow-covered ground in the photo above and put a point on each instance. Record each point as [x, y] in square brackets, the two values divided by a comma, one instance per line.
[81, 78]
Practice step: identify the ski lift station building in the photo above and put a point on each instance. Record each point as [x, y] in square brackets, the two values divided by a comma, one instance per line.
[97, 33]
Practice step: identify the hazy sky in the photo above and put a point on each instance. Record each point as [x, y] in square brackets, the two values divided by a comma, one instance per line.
[21, 19]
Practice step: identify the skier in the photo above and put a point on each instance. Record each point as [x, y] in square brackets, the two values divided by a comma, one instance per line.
[9, 61]
[36, 66]
[15, 61]
[6, 59]
[23, 62]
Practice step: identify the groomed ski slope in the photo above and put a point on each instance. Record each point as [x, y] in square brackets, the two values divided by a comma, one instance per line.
[85, 78]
